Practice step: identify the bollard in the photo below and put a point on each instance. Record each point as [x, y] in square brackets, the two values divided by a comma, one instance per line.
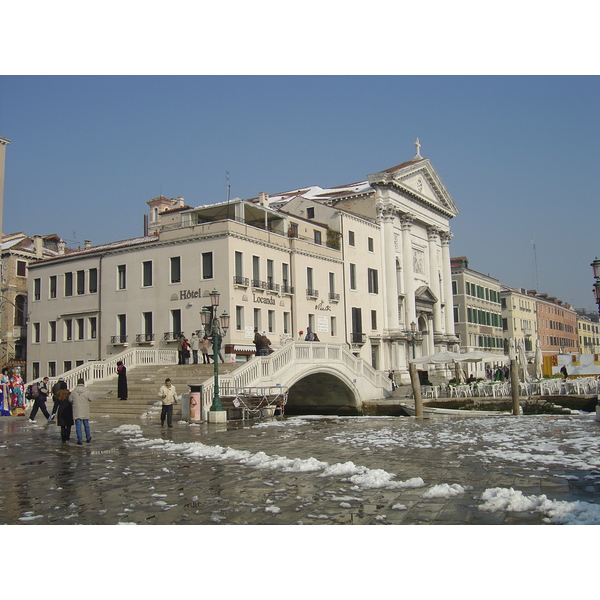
[416, 386]
[514, 386]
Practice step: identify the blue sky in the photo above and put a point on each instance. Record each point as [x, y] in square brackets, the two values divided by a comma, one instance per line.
[517, 153]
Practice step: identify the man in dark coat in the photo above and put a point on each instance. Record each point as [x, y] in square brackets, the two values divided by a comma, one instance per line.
[65, 413]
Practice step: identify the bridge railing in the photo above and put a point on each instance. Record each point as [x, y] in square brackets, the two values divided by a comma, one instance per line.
[268, 367]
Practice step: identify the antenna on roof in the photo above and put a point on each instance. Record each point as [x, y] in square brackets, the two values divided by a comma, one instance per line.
[228, 184]
[535, 267]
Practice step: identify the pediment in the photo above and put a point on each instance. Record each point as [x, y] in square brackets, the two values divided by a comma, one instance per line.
[418, 180]
[425, 295]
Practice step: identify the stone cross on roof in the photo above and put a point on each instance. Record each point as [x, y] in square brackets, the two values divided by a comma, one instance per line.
[418, 147]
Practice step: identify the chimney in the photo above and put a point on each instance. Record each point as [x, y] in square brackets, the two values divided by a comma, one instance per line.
[263, 199]
[38, 246]
[87, 244]
[61, 247]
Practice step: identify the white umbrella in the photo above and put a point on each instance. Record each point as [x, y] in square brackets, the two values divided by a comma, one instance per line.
[538, 360]
[522, 359]
[438, 358]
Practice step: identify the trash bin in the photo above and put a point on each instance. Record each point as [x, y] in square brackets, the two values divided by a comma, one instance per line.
[194, 409]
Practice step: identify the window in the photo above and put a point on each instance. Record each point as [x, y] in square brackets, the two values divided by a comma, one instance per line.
[293, 230]
[256, 318]
[80, 329]
[271, 321]
[67, 366]
[93, 281]
[176, 321]
[352, 276]
[286, 322]
[147, 323]
[239, 318]
[373, 319]
[122, 326]
[207, 265]
[68, 284]
[317, 236]
[52, 286]
[21, 268]
[456, 314]
[270, 278]
[92, 323]
[68, 330]
[256, 268]
[373, 281]
[80, 282]
[309, 281]
[122, 277]
[285, 277]
[239, 264]
[37, 289]
[36, 333]
[370, 245]
[52, 369]
[454, 288]
[36, 370]
[351, 238]
[333, 325]
[331, 284]
[176, 269]
[147, 273]
[52, 331]
[20, 311]
[310, 212]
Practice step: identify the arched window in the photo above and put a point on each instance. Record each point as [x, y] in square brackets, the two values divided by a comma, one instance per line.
[20, 310]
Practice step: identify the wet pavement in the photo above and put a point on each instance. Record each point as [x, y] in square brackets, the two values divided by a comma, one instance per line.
[302, 470]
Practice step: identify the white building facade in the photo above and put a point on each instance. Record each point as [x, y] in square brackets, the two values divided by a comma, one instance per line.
[358, 264]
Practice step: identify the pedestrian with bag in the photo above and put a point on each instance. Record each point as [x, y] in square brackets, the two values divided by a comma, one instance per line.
[182, 348]
[168, 397]
[39, 393]
[64, 416]
[204, 348]
[80, 398]
[195, 346]
[61, 384]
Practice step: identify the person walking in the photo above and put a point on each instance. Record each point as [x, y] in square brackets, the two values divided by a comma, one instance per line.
[204, 348]
[217, 348]
[310, 336]
[195, 346]
[168, 396]
[182, 346]
[39, 402]
[257, 343]
[61, 384]
[392, 378]
[265, 342]
[80, 398]
[64, 417]
[122, 381]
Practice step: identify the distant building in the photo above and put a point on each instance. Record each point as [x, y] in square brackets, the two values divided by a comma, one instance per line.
[519, 319]
[589, 335]
[18, 252]
[556, 325]
[477, 308]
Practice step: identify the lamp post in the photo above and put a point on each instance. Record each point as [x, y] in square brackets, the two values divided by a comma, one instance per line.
[596, 270]
[216, 328]
[413, 336]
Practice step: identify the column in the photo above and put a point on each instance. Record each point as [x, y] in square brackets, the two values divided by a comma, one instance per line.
[387, 218]
[433, 234]
[445, 237]
[410, 313]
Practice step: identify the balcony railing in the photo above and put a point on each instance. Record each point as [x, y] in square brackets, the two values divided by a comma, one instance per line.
[117, 340]
[287, 289]
[144, 338]
[359, 338]
[334, 297]
[312, 293]
[171, 336]
[272, 287]
[257, 283]
[239, 280]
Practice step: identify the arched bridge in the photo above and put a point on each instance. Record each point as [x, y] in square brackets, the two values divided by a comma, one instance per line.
[321, 378]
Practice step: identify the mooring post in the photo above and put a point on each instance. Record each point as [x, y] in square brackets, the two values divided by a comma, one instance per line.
[514, 386]
[416, 386]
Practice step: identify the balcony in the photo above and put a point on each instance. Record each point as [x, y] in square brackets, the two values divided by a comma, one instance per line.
[310, 293]
[272, 287]
[287, 289]
[359, 338]
[258, 284]
[171, 336]
[334, 297]
[119, 340]
[240, 281]
[144, 338]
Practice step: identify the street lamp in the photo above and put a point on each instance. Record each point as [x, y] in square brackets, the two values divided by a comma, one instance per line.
[596, 270]
[413, 337]
[216, 328]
